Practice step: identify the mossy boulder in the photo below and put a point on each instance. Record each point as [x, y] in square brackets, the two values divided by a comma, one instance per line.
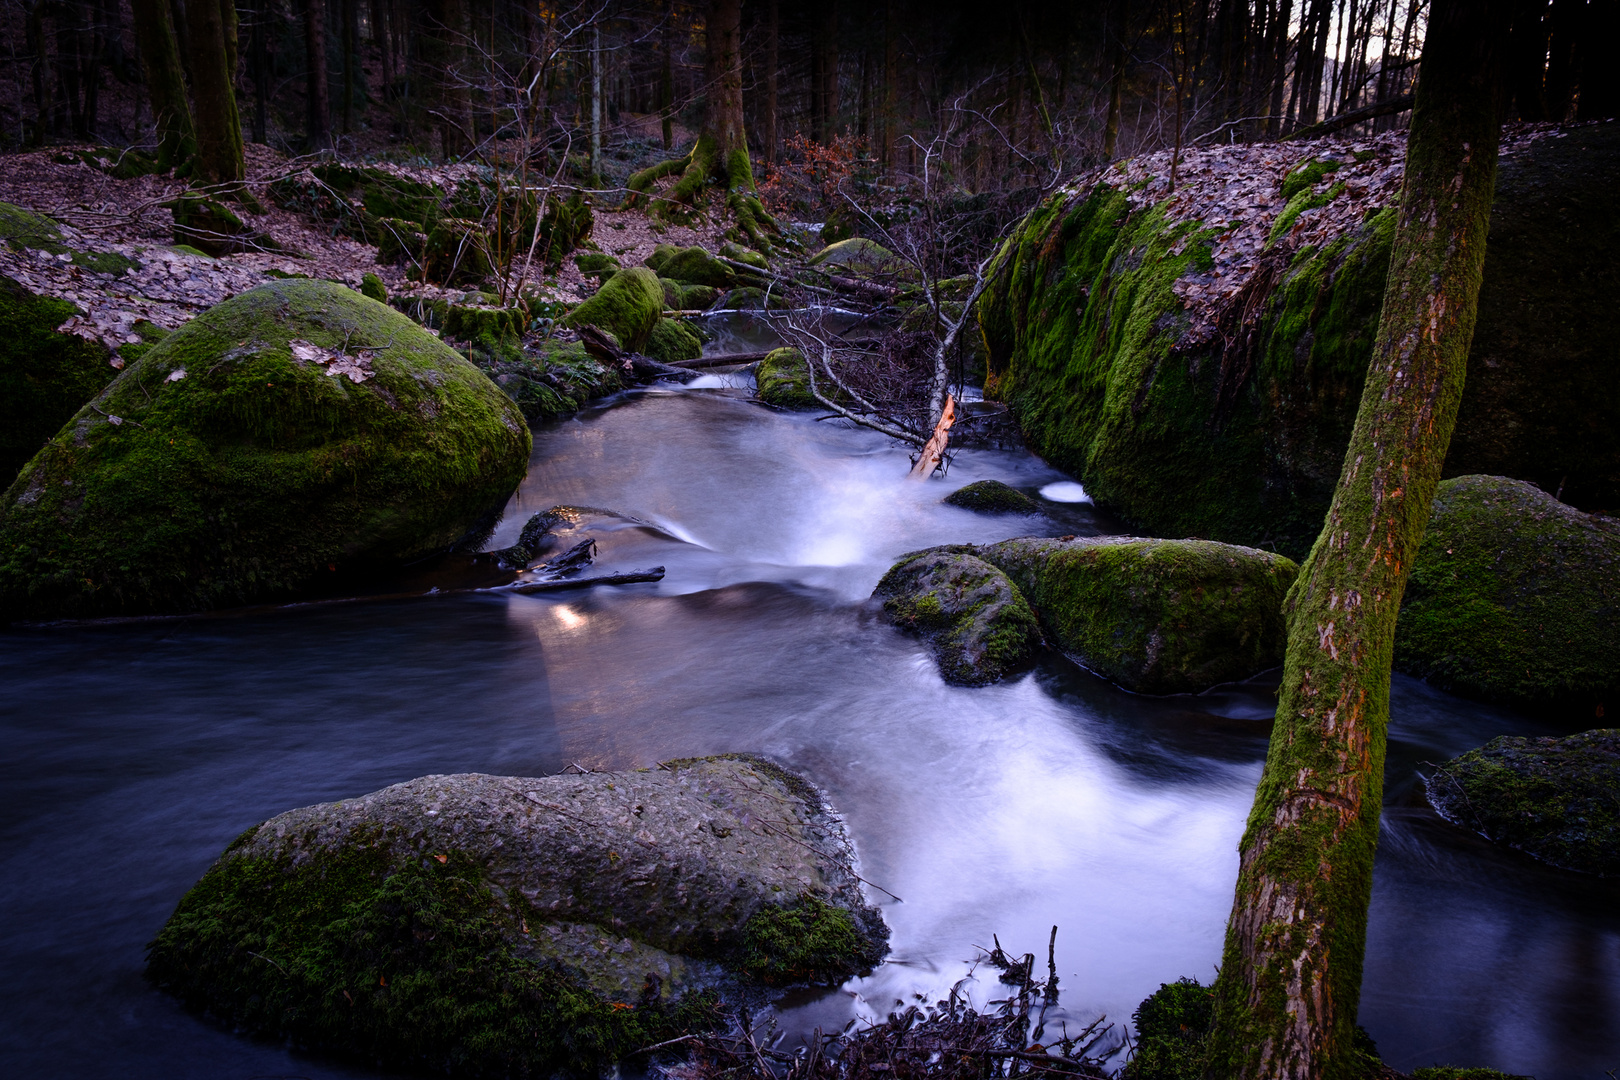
[1172, 1027]
[520, 926]
[749, 298]
[992, 497]
[695, 266]
[1089, 344]
[1154, 616]
[679, 297]
[780, 379]
[372, 286]
[45, 377]
[596, 263]
[737, 253]
[1515, 597]
[1555, 799]
[673, 340]
[858, 256]
[281, 436]
[455, 253]
[214, 228]
[21, 228]
[551, 378]
[627, 306]
[978, 623]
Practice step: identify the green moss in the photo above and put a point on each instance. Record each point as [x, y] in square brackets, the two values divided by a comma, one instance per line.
[1083, 335]
[661, 253]
[187, 249]
[977, 620]
[671, 340]
[745, 255]
[628, 306]
[372, 286]
[416, 963]
[1171, 1027]
[1307, 199]
[45, 377]
[1155, 616]
[781, 380]
[752, 299]
[1307, 176]
[1453, 1072]
[810, 941]
[456, 253]
[695, 266]
[212, 228]
[992, 497]
[22, 228]
[255, 472]
[551, 379]
[1553, 799]
[595, 263]
[1515, 597]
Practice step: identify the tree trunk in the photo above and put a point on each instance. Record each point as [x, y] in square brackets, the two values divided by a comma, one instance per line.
[1291, 974]
[596, 99]
[259, 70]
[773, 30]
[165, 81]
[351, 57]
[219, 130]
[318, 126]
[1116, 75]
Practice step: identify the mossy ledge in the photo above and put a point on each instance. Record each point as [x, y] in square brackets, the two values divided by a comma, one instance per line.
[517, 926]
[1090, 347]
[222, 467]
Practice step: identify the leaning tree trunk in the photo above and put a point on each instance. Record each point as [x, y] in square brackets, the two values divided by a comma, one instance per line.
[720, 155]
[165, 82]
[1291, 975]
[219, 129]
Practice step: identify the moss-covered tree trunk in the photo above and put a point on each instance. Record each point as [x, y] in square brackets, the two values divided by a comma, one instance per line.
[219, 129]
[720, 155]
[1291, 975]
[165, 81]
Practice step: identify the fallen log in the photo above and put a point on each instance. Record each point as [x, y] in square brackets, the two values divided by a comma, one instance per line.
[933, 450]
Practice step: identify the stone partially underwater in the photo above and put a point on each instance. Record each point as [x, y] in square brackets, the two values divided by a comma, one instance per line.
[511, 925]
[291, 432]
[1196, 358]
[1153, 616]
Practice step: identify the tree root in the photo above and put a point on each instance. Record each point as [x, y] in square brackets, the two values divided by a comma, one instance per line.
[700, 169]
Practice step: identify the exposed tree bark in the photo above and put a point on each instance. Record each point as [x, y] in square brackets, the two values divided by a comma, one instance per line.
[165, 82]
[666, 81]
[1291, 974]
[219, 128]
[351, 58]
[318, 125]
[773, 31]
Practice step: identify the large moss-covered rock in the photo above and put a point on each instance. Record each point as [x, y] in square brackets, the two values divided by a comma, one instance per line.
[1240, 436]
[992, 497]
[781, 380]
[1555, 799]
[695, 266]
[977, 621]
[520, 926]
[1154, 616]
[293, 430]
[1515, 597]
[860, 256]
[45, 377]
[552, 378]
[627, 306]
[672, 340]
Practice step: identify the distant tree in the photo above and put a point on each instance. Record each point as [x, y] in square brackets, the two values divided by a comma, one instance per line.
[211, 35]
[165, 82]
[1291, 975]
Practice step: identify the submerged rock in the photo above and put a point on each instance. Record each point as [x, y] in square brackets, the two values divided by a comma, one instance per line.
[979, 625]
[1154, 616]
[512, 925]
[992, 497]
[291, 431]
[1554, 799]
[627, 306]
[1514, 597]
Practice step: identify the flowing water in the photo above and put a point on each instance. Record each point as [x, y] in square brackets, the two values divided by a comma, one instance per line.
[136, 752]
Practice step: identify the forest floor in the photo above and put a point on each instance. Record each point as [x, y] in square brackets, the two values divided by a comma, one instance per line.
[100, 213]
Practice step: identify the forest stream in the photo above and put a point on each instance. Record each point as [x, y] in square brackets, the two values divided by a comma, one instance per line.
[137, 751]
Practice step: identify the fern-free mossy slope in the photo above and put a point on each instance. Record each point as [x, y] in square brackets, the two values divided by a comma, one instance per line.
[1154, 616]
[490, 924]
[1515, 597]
[1238, 432]
[238, 471]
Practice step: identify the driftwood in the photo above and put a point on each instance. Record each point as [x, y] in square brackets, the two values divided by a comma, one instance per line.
[526, 587]
[933, 451]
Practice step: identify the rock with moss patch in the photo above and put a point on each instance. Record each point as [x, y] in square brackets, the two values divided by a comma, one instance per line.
[737, 253]
[695, 266]
[1554, 799]
[748, 298]
[859, 256]
[372, 286]
[672, 340]
[1515, 597]
[780, 379]
[1096, 345]
[596, 264]
[45, 377]
[1154, 616]
[992, 497]
[977, 621]
[214, 228]
[1172, 1026]
[551, 378]
[628, 306]
[455, 253]
[515, 925]
[288, 432]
